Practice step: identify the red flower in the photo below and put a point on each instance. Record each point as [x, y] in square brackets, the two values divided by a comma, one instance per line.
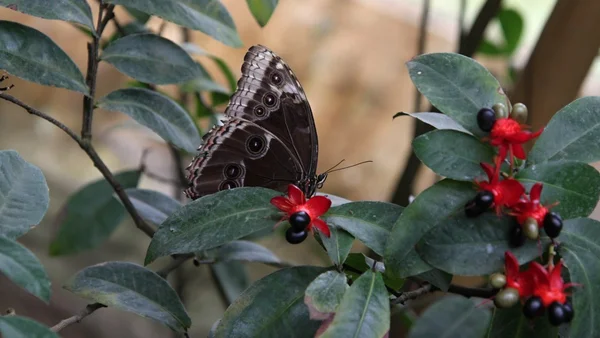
[296, 202]
[519, 280]
[508, 135]
[531, 207]
[548, 284]
[507, 192]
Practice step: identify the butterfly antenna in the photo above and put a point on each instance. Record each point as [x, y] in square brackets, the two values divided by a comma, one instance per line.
[330, 169]
[350, 166]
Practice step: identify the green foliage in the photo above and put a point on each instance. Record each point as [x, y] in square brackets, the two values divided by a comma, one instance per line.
[324, 294]
[22, 327]
[262, 10]
[512, 24]
[76, 11]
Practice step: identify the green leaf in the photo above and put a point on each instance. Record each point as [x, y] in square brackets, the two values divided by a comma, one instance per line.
[151, 58]
[512, 24]
[262, 10]
[23, 195]
[580, 250]
[158, 112]
[453, 316]
[571, 135]
[575, 185]
[272, 305]
[131, 28]
[453, 154]
[437, 278]
[203, 83]
[31, 55]
[457, 85]
[244, 251]
[436, 120]
[223, 67]
[214, 220]
[208, 16]
[76, 11]
[364, 310]
[232, 278]
[139, 16]
[22, 327]
[325, 293]
[22, 267]
[358, 262]
[512, 323]
[338, 245]
[91, 215]
[429, 209]
[132, 288]
[490, 48]
[473, 246]
[369, 222]
[152, 205]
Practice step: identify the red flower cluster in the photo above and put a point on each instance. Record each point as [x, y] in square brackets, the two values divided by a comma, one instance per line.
[508, 135]
[302, 214]
[538, 288]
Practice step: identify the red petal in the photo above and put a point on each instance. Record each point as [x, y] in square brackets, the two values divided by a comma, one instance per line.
[282, 203]
[539, 274]
[512, 190]
[511, 265]
[536, 192]
[489, 171]
[296, 195]
[556, 281]
[518, 151]
[322, 226]
[317, 206]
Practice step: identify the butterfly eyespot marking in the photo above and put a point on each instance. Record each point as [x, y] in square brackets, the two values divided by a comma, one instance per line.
[255, 144]
[276, 78]
[232, 171]
[225, 185]
[269, 100]
[260, 111]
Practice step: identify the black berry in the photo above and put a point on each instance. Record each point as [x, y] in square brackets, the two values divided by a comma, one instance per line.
[477, 206]
[294, 237]
[569, 312]
[516, 237]
[486, 118]
[533, 307]
[299, 220]
[556, 314]
[553, 224]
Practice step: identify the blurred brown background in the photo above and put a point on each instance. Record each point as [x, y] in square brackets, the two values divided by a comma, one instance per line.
[349, 56]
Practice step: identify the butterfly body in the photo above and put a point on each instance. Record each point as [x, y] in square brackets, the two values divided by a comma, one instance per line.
[269, 138]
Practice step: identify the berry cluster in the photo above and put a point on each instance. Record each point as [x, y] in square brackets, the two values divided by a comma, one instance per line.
[537, 287]
[501, 191]
[302, 214]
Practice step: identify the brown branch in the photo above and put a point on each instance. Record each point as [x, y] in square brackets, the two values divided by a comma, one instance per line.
[78, 317]
[405, 296]
[92, 69]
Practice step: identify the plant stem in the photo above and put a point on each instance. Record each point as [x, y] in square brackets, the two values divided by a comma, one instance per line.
[78, 317]
[405, 296]
[92, 69]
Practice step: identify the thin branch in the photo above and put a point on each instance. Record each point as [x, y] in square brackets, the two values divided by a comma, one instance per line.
[405, 296]
[78, 317]
[92, 69]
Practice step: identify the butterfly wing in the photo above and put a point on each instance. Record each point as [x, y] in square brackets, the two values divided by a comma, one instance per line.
[269, 138]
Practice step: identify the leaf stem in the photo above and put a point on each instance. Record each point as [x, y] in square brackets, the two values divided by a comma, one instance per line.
[88, 310]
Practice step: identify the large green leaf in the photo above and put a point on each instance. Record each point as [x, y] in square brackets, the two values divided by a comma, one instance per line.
[203, 82]
[91, 215]
[338, 245]
[208, 16]
[457, 85]
[22, 267]
[357, 263]
[31, 55]
[575, 185]
[272, 305]
[369, 222]
[437, 120]
[152, 205]
[22, 327]
[580, 249]
[453, 154]
[132, 288]
[431, 208]
[262, 10]
[473, 246]
[23, 195]
[214, 220]
[243, 251]
[77, 11]
[364, 310]
[325, 293]
[151, 58]
[453, 316]
[158, 112]
[572, 134]
[512, 323]
[511, 23]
